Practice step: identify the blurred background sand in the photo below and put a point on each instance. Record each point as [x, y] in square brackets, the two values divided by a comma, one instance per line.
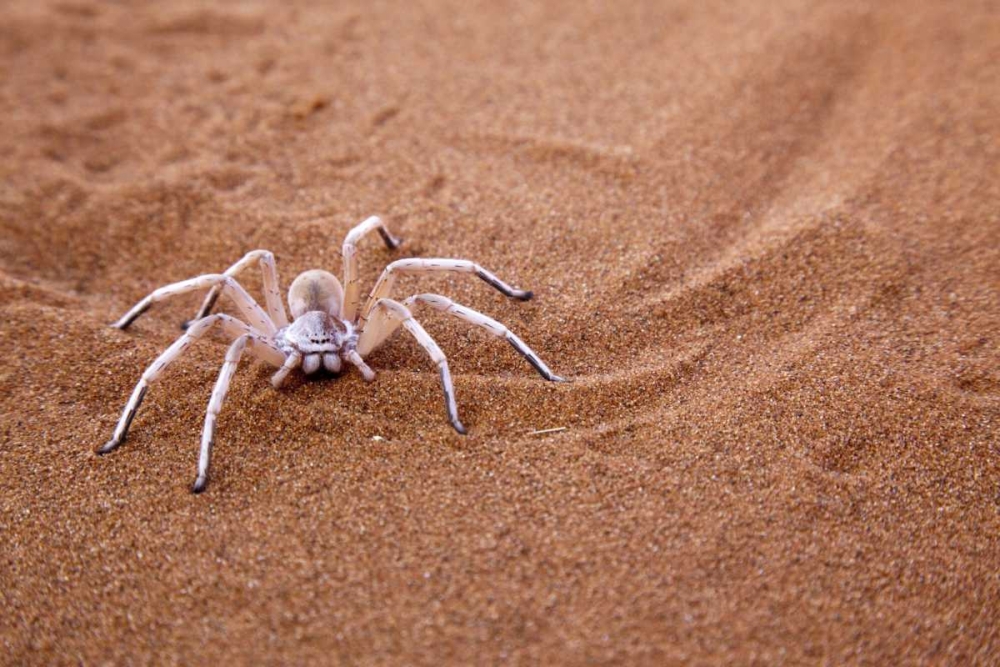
[763, 239]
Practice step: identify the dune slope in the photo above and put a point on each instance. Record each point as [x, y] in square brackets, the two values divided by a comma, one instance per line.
[764, 241]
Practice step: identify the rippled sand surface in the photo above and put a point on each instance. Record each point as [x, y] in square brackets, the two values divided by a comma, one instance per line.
[764, 240]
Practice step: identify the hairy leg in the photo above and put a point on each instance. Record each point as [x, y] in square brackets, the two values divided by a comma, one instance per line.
[366, 371]
[272, 288]
[448, 306]
[233, 355]
[249, 309]
[397, 311]
[350, 250]
[232, 327]
[293, 361]
[383, 288]
[376, 329]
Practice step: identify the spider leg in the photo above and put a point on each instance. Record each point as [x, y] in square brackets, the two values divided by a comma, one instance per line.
[375, 330]
[263, 348]
[385, 282]
[293, 361]
[448, 306]
[400, 313]
[358, 361]
[272, 287]
[246, 304]
[233, 355]
[350, 251]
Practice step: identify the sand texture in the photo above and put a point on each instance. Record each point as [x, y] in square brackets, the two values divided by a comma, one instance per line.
[764, 240]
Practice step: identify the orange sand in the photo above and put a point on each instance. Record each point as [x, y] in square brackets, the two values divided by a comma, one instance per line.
[764, 240]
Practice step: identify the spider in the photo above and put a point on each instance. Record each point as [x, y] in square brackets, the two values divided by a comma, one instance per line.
[328, 328]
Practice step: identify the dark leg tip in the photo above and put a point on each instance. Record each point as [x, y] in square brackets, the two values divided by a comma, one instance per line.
[186, 324]
[556, 378]
[458, 427]
[526, 295]
[391, 242]
[199, 485]
[108, 447]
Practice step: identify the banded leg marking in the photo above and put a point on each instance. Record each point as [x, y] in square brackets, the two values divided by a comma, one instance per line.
[366, 371]
[248, 307]
[231, 326]
[271, 286]
[350, 250]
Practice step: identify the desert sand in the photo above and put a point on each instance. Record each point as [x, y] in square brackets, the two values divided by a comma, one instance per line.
[764, 240]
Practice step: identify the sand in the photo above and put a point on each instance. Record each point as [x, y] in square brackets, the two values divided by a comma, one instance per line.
[764, 241]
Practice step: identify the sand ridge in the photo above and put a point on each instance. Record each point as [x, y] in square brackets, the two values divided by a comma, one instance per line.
[763, 240]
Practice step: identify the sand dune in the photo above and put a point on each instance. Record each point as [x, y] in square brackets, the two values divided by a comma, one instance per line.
[764, 240]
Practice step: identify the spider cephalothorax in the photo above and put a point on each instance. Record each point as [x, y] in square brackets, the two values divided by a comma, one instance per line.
[317, 335]
[329, 326]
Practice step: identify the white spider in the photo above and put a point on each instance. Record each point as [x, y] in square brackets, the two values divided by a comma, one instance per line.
[327, 329]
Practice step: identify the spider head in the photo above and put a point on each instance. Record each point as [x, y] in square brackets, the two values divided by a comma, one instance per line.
[320, 338]
[315, 290]
[316, 332]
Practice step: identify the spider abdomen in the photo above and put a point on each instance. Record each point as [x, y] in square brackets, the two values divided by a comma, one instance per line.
[315, 290]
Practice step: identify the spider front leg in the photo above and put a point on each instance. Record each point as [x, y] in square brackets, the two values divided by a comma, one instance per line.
[245, 303]
[231, 326]
[366, 372]
[272, 288]
[383, 287]
[233, 356]
[350, 250]
[395, 312]
[293, 361]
